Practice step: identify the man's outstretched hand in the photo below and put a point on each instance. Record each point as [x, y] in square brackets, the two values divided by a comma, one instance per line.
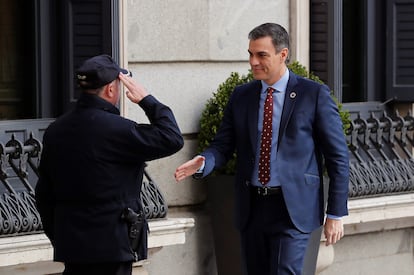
[189, 168]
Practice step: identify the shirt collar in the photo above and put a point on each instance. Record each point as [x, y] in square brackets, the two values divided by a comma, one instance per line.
[280, 85]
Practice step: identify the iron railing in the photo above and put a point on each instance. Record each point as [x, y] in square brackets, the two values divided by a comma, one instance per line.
[381, 158]
[17, 204]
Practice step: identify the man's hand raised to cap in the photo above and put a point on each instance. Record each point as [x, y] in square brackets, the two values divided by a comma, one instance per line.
[135, 91]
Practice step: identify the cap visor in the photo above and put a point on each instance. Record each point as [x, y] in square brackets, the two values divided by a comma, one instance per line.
[128, 73]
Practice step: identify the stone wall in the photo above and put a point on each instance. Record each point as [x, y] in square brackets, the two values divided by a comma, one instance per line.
[380, 253]
[379, 238]
[181, 51]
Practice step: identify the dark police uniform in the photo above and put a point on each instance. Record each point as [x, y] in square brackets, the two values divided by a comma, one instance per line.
[91, 170]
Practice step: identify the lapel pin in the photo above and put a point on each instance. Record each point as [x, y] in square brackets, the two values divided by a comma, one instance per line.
[292, 95]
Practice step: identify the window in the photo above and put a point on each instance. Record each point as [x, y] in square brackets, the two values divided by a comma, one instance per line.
[42, 42]
[17, 57]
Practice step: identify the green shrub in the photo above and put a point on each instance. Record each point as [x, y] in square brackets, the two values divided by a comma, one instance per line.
[214, 109]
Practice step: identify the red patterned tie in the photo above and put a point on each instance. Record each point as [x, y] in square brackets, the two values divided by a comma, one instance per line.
[266, 140]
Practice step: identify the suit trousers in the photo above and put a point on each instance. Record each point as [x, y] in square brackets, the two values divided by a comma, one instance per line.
[122, 268]
[271, 244]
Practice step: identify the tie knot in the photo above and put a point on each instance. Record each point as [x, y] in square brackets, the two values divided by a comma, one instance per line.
[270, 90]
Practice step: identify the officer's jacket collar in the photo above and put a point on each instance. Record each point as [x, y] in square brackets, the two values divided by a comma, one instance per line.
[94, 101]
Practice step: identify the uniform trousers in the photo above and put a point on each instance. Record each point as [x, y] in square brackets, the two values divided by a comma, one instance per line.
[270, 243]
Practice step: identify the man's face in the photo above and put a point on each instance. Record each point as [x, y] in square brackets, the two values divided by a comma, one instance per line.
[266, 64]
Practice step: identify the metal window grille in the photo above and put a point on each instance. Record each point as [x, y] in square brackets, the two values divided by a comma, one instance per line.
[381, 157]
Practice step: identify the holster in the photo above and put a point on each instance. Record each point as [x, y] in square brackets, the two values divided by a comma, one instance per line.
[137, 232]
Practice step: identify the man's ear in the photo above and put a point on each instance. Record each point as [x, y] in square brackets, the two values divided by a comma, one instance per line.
[109, 90]
[284, 54]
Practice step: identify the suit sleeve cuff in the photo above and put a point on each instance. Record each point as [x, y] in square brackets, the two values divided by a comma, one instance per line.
[333, 217]
[199, 173]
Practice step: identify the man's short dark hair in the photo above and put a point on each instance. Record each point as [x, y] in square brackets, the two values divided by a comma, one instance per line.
[280, 37]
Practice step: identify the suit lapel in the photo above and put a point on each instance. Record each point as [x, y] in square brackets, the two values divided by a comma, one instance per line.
[252, 113]
[289, 104]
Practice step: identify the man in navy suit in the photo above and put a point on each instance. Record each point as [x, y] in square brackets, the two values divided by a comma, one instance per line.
[275, 215]
[91, 172]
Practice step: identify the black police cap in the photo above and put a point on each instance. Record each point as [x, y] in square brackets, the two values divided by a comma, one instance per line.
[98, 71]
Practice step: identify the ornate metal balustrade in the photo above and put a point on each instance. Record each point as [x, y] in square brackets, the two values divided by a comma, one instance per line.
[381, 159]
[20, 150]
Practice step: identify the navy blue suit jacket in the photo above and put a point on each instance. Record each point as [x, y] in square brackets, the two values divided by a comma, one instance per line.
[310, 136]
[91, 170]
